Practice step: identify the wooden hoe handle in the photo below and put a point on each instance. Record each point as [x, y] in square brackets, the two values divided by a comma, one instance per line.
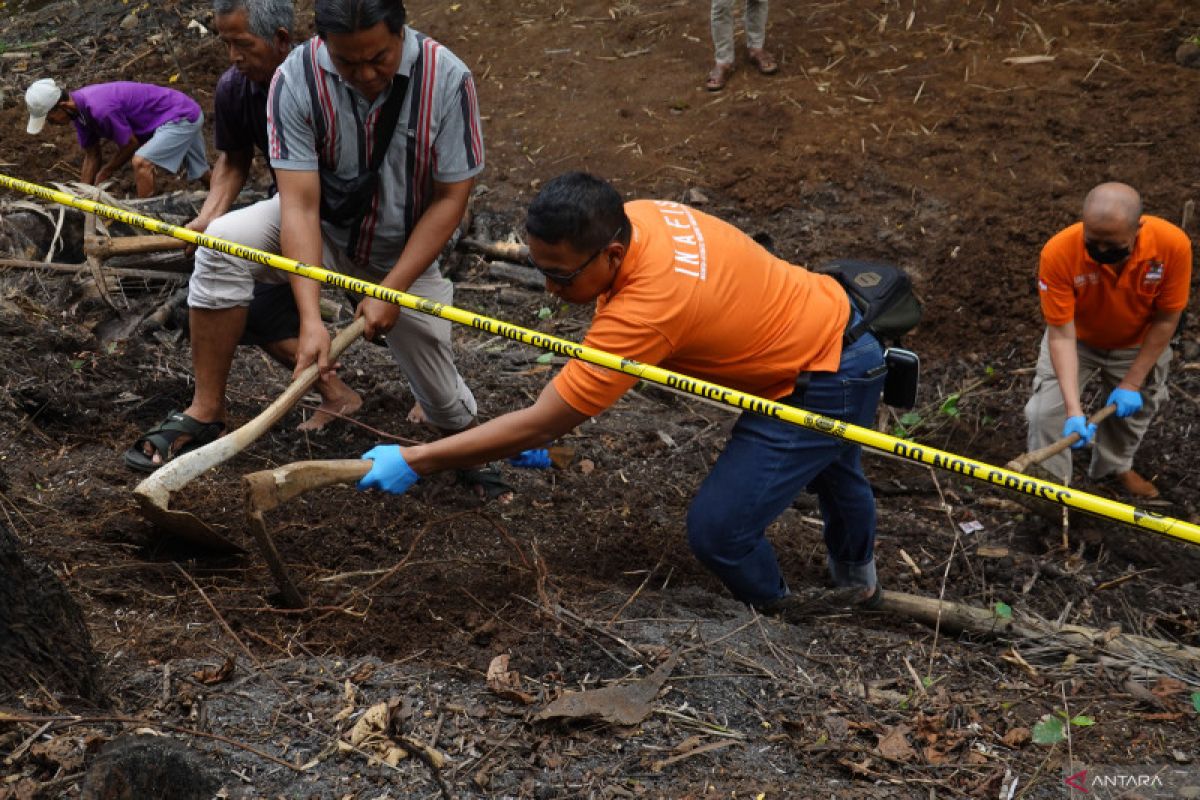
[272, 487]
[1023, 462]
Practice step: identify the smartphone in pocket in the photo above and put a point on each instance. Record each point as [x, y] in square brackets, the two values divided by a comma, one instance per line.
[903, 375]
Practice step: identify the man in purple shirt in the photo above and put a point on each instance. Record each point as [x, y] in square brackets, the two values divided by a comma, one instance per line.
[152, 125]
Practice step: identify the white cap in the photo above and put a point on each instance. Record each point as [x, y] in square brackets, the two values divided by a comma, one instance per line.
[41, 97]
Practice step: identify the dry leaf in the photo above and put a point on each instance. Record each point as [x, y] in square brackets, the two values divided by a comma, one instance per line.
[626, 704]
[935, 756]
[1164, 687]
[62, 752]
[373, 722]
[363, 672]
[370, 734]
[586, 466]
[561, 455]
[894, 746]
[1016, 737]
[506, 683]
[213, 675]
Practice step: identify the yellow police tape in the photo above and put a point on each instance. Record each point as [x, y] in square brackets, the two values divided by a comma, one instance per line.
[980, 471]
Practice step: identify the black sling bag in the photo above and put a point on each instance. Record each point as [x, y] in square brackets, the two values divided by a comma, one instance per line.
[344, 201]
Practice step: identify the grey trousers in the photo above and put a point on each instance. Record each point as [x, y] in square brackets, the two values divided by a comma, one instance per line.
[722, 27]
[419, 343]
[1116, 440]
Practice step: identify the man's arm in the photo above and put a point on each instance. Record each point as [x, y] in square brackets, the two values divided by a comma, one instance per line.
[433, 229]
[1065, 358]
[228, 177]
[546, 420]
[300, 239]
[1158, 338]
[91, 164]
[123, 154]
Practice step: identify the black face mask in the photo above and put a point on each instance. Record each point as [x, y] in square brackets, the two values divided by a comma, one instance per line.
[1113, 255]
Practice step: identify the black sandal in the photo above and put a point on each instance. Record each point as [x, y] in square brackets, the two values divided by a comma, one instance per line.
[165, 434]
[486, 479]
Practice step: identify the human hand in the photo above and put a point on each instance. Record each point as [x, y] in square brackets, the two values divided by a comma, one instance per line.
[532, 459]
[1127, 401]
[390, 472]
[1081, 426]
[198, 225]
[380, 316]
[312, 347]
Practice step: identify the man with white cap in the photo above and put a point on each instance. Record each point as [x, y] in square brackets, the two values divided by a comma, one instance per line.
[151, 125]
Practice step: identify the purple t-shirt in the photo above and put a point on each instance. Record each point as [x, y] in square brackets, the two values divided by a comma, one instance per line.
[240, 113]
[115, 111]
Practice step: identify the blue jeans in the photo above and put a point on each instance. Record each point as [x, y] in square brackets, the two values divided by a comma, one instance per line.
[767, 462]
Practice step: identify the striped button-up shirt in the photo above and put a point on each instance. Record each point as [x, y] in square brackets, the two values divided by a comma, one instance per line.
[438, 137]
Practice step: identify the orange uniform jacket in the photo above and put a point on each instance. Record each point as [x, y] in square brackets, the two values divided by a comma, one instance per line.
[1111, 311]
[696, 295]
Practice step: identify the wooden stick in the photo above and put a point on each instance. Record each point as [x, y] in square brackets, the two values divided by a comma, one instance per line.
[503, 251]
[1023, 462]
[104, 247]
[959, 617]
[523, 276]
[170, 271]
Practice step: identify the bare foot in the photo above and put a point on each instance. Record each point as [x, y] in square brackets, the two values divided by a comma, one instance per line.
[416, 415]
[337, 400]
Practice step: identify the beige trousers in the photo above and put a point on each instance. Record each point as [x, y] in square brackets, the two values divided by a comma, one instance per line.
[419, 343]
[1116, 439]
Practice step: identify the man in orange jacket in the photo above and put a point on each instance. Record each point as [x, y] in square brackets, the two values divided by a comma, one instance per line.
[686, 291]
[1113, 288]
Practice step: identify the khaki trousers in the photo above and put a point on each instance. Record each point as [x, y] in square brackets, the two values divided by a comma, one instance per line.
[1116, 439]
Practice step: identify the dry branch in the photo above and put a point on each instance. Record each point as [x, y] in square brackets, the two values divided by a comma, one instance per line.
[1075, 639]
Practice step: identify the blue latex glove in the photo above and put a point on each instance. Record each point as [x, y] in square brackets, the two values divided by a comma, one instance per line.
[390, 472]
[532, 459]
[1128, 402]
[1080, 425]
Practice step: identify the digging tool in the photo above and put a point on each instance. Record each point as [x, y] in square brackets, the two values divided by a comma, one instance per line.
[1025, 461]
[269, 488]
[154, 493]
[1123, 513]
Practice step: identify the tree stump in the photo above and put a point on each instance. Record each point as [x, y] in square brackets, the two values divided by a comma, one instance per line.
[149, 768]
[43, 639]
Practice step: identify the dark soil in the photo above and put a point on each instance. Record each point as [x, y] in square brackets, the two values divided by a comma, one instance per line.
[894, 131]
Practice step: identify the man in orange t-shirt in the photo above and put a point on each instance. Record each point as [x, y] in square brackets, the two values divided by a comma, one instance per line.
[679, 289]
[1113, 288]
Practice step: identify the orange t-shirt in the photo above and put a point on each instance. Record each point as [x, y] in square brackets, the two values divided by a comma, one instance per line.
[696, 295]
[1112, 311]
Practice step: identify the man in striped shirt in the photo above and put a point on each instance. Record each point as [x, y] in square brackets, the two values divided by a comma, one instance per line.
[326, 136]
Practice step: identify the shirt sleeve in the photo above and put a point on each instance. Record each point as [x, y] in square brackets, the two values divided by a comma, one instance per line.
[290, 132]
[589, 389]
[458, 146]
[230, 124]
[1055, 290]
[1174, 294]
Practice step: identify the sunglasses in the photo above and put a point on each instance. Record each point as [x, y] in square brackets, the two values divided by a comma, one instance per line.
[567, 278]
